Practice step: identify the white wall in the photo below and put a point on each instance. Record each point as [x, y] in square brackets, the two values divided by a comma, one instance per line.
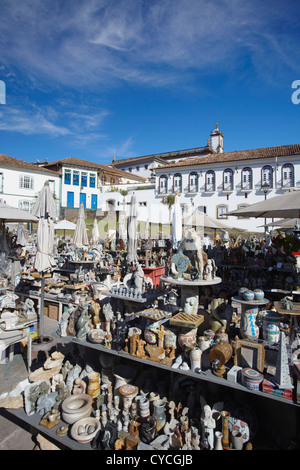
[13, 192]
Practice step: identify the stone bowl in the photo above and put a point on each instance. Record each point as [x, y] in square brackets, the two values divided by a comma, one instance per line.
[76, 407]
[84, 430]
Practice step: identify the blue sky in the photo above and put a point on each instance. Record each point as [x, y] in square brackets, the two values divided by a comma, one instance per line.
[91, 79]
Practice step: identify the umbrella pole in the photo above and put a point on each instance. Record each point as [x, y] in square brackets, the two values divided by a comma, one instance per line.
[41, 328]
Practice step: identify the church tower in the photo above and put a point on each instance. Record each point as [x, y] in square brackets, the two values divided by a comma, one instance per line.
[216, 138]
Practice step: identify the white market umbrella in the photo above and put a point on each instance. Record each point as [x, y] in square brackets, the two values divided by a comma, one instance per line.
[95, 232]
[13, 214]
[80, 235]
[282, 223]
[64, 225]
[45, 210]
[176, 223]
[285, 205]
[132, 231]
[200, 219]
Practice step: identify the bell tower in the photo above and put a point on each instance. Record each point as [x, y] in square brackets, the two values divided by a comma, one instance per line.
[216, 138]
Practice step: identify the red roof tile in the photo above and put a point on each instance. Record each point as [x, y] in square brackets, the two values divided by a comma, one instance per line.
[252, 154]
[5, 160]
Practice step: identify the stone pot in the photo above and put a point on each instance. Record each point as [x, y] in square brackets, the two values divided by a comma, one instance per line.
[76, 407]
[123, 374]
[237, 440]
[84, 430]
[187, 338]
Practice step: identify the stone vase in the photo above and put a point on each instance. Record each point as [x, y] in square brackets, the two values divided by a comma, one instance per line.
[218, 440]
[159, 413]
[94, 384]
[225, 415]
[195, 359]
[237, 440]
[249, 327]
[203, 343]
[144, 407]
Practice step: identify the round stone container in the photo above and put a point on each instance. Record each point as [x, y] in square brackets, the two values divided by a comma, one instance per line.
[251, 378]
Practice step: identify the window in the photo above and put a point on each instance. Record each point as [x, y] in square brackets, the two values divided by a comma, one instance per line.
[246, 182]
[287, 178]
[143, 204]
[177, 183]
[26, 205]
[103, 180]
[137, 168]
[130, 170]
[84, 179]
[92, 181]
[228, 180]
[267, 176]
[76, 178]
[193, 182]
[146, 167]
[67, 177]
[26, 182]
[163, 184]
[222, 212]
[210, 181]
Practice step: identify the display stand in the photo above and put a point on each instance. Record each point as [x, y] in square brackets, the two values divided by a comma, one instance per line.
[190, 289]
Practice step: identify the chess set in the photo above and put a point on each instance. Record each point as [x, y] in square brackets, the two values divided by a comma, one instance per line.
[187, 320]
[155, 314]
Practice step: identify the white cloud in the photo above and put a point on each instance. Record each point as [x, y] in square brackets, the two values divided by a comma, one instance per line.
[80, 126]
[100, 42]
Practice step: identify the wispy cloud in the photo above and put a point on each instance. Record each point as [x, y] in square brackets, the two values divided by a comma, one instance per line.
[80, 127]
[100, 42]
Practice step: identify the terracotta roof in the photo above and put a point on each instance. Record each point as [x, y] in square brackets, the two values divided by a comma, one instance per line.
[72, 161]
[252, 154]
[5, 160]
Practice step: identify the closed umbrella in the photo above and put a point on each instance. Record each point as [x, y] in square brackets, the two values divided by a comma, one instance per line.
[21, 235]
[176, 223]
[95, 232]
[80, 235]
[147, 230]
[45, 210]
[122, 226]
[132, 231]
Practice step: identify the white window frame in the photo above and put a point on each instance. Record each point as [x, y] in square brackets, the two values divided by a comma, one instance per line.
[26, 182]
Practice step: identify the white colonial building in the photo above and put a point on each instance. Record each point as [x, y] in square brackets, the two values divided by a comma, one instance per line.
[218, 182]
[84, 182]
[20, 182]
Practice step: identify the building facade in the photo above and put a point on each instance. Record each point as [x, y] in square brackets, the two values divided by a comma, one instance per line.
[20, 182]
[84, 182]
